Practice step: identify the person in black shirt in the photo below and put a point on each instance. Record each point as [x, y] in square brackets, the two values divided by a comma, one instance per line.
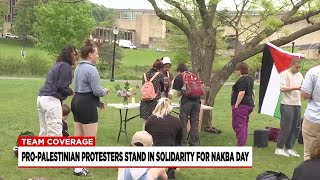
[65, 113]
[189, 107]
[242, 103]
[309, 169]
[165, 129]
[55, 90]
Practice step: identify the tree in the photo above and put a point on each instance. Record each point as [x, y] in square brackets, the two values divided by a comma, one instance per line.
[25, 18]
[3, 12]
[58, 25]
[106, 55]
[104, 17]
[201, 32]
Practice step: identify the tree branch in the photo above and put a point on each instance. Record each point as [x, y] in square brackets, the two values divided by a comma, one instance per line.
[183, 11]
[293, 11]
[302, 17]
[171, 19]
[204, 15]
[249, 52]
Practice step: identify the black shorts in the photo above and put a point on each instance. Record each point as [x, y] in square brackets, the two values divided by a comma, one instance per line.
[84, 108]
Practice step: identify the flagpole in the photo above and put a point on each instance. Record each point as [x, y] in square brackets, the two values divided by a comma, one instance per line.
[292, 47]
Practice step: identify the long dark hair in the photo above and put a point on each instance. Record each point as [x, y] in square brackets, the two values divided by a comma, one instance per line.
[66, 54]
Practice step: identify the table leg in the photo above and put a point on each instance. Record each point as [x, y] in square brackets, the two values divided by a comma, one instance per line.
[120, 130]
[125, 125]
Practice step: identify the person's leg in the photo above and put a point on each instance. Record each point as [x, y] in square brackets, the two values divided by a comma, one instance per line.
[194, 124]
[295, 127]
[184, 117]
[310, 132]
[41, 113]
[78, 130]
[240, 123]
[285, 125]
[53, 116]
[90, 129]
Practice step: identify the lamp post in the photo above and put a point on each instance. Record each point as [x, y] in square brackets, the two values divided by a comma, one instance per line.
[115, 33]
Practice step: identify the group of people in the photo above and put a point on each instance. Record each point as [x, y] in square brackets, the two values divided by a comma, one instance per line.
[86, 95]
[163, 128]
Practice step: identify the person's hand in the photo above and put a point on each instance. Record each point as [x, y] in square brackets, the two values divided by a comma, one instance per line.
[236, 106]
[102, 105]
[297, 88]
[107, 90]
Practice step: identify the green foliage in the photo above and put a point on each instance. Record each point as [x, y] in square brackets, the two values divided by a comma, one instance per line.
[58, 25]
[37, 65]
[254, 63]
[3, 11]
[34, 65]
[25, 18]
[104, 17]
[11, 65]
[106, 56]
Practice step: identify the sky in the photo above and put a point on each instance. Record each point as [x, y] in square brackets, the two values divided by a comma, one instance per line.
[140, 4]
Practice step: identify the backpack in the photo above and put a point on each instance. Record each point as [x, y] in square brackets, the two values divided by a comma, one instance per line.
[26, 133]
[272, 175]
[192, 87]
[273, 133]
[147, 90]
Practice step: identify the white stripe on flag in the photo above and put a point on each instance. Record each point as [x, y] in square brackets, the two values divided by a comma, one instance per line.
[271, 97]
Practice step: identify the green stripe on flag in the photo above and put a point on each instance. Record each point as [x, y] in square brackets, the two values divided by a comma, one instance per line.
[277, 113]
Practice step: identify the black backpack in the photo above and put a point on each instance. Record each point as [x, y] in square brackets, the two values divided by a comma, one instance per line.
[272, 175]
[26, 133]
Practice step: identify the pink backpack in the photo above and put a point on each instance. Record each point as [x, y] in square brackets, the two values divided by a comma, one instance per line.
[147, 90]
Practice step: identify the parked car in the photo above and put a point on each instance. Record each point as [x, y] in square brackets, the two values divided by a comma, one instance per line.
[161, 50]
[126, 44]
[9, 35]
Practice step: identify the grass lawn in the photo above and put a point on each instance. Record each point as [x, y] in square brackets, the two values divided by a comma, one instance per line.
[18, 113]
[142, 57]
[13, 47]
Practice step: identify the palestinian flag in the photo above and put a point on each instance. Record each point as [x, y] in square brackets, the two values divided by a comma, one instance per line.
[274, 61]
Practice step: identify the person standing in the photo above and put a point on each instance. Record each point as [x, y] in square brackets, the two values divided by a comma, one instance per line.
[290, 109]
[310, 90]
[54, 91]
[189, 107]
[147, 106]
[242, 102]
[88, 91]
[168, 78]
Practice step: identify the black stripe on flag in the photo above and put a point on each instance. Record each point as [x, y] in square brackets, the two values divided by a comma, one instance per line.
[266, 68]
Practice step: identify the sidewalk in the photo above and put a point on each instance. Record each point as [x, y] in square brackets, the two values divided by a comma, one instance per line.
[103, 80]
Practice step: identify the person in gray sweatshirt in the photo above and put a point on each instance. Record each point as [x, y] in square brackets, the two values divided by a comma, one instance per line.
[88, 91]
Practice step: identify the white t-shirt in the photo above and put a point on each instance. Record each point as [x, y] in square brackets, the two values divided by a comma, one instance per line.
[289, 79]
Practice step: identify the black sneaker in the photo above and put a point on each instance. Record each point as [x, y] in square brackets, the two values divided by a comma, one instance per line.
[83, 172]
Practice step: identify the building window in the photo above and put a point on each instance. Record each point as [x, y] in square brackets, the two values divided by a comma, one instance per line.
[126, 15]
[135, 14]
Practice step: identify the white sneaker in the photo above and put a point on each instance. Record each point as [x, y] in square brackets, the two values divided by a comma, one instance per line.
[281, 152]
[292, 153]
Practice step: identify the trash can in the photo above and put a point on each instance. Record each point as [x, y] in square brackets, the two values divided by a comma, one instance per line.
[260, 138]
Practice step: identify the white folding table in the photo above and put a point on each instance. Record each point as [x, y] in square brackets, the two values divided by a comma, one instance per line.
[126, 108]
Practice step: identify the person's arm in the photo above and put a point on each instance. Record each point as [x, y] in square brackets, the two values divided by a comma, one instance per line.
[242, 87]
[284, 85]
[308, 86]
[64, 80]
[239, 98]
[95, 84]
[177, 84]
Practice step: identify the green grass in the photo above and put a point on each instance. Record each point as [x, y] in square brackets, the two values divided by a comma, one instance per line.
[18, 113]
[142, 57]
[13, 47]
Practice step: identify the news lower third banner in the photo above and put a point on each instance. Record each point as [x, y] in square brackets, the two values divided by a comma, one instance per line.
[69, 153]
